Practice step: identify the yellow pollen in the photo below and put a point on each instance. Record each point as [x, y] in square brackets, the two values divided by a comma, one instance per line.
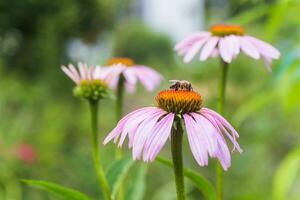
[179, 101]
[225, 30]
[124, 61]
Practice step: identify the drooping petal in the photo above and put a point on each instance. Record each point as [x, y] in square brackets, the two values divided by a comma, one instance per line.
[143, 132]
[130, 76]
[225, 48]
[148, 77]
[158, 138]
[119, 129]
[264, 48]
[268, 62]
[221, 129]
[235, 44]
[197, 141]
[223, 153]
[248, 48]
[208, 48]
[221, 119]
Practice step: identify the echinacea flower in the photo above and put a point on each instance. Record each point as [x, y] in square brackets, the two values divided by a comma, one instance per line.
[117, 68]
[227, 41]
[88, 83]
[149, 128]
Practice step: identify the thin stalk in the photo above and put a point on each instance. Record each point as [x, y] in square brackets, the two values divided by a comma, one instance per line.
[222, 95]
[96, 153]
[176, 148]
[120, 98]
[119, 114]
[119, 108]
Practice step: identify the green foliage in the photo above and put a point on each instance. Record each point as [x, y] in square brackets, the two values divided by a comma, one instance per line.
[40, 30]
[286, 174]
[200, 182]
[61, 191]
[137, 187]
[117, 173]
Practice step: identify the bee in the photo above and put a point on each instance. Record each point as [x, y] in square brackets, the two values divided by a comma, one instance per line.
[181, 85]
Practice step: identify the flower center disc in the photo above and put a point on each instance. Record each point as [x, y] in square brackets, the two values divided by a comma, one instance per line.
[91, 89]
[180, 101]
[225, 30]
[124, 61]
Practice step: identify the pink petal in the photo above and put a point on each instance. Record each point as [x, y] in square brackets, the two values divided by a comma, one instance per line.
[116, 132]
[197, 141]
[225, 49]
[191, 39]
[235, 44]
[156, 141]
[208, 48]
[223, 154]
[149, 78]
[221, 129]
[70, 74]
[75, 72]
[143, 132]
[264, 48]
[194, 49]
[221, 119]
[248, 48]
[268, 62]
[130, 76]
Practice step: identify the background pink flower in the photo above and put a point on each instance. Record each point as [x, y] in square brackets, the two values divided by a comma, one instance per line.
[26, 153]
[132, 73]
[226, 41]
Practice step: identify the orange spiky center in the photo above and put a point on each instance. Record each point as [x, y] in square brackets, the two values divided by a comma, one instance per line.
[225, 30]
[179, 101]
[128, 62]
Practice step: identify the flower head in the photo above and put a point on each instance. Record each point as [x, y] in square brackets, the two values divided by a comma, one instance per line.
[149, 128]
[126, 68]
[26, 153]
[88, 84]
[227, 41]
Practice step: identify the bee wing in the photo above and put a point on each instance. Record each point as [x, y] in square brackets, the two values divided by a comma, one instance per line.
[174, 81]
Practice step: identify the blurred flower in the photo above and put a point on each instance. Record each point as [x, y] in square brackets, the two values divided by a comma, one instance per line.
[149, 128]
[26, 153]
[125, 67]
[89, 85]
[226, 41]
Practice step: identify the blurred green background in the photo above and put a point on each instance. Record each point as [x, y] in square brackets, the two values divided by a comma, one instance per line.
[40, 119]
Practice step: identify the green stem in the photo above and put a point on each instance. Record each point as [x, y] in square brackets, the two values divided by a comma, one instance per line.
[119, 108]
[96, 154]
[120, 98]
[222, 94]
[176, 148]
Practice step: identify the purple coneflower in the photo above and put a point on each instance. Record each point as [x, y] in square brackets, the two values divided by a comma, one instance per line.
[227, 41]
[92, 87]
[149, 128]
[89, 84]
[125, 69]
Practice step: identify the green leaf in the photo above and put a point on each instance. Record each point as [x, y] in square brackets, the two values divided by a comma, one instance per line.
[61, 191]
[136, 189]
[204, 185]
[117, 172]
[286, 174]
